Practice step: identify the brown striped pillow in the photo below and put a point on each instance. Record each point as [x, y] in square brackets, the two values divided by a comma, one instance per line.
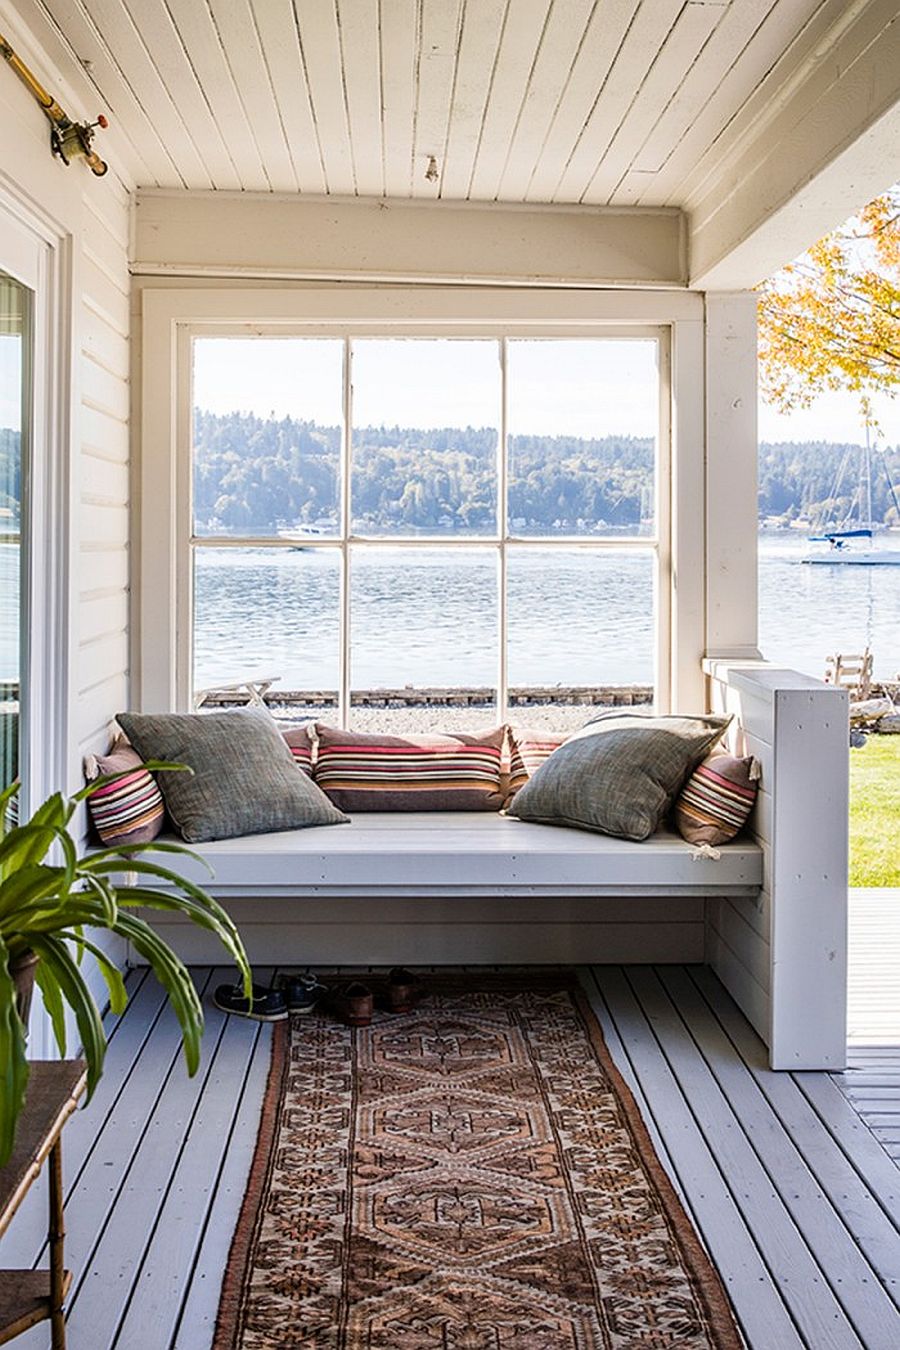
[362, 771]
[528, 750]
[130, 810]
[716, 800]
[300, 742]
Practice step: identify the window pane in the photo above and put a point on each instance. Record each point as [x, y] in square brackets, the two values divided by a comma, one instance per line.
[426, 416]
[267, 422]
[13, 334]
[423, 638]
[269, 613]
[583, 423]
[581, 626]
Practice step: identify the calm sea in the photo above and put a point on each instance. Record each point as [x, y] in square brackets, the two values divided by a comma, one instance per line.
[430, 618]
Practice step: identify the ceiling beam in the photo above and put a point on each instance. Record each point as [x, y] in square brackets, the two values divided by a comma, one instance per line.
[264, 235]
[808, 156]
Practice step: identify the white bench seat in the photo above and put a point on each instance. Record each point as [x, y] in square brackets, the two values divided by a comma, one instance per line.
[469, 853]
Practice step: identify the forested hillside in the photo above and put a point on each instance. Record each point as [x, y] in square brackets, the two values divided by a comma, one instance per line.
[254, 475]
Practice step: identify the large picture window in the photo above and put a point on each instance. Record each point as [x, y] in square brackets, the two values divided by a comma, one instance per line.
[14, 375]
[423, 530]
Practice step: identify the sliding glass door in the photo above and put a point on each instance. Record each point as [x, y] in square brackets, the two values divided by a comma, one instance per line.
[15, 373]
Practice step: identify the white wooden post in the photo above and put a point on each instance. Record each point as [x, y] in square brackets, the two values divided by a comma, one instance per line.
[783, 957]
[731, 476]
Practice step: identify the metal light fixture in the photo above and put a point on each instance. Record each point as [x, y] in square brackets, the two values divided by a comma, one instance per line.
[69, 140]
[432, 173]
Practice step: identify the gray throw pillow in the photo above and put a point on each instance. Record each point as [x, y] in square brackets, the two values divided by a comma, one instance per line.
[619, 774]
[245, 780]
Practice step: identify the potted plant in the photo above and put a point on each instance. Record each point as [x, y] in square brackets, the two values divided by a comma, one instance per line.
[50, 899]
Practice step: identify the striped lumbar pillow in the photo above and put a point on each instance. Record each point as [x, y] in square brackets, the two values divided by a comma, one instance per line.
[300, 742]
[130, 810]
[528, 750]
[716, 800]
[367, 772]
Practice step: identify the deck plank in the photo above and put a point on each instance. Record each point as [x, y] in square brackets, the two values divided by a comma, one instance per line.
[759, 1305]
[812, 1303]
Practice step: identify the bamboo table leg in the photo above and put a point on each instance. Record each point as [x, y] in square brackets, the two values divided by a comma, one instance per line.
[56, 1234]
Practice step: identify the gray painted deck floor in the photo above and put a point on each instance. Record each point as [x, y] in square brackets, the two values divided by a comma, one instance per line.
[785, 1175]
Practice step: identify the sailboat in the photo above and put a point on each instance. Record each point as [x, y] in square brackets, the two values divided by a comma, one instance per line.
[841, 540]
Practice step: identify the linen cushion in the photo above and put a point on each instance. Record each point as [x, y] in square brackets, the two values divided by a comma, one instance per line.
[130, 810]
[527, 751]
[245, 780]
[301, 743]
[362, 771]
[619, 774]
[716, 800]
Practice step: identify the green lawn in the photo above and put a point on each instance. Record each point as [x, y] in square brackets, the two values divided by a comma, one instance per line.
[875, 812]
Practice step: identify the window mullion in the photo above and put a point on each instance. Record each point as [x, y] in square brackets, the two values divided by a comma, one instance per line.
[344, 691]
[502, 528]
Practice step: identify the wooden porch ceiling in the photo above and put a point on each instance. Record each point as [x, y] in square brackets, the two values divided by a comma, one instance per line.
[617, 102]
[765, 121]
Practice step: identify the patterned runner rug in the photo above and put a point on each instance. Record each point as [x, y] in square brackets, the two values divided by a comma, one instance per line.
[473, 1175]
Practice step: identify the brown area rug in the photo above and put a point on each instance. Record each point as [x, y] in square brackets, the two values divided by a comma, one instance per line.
[473, 1175]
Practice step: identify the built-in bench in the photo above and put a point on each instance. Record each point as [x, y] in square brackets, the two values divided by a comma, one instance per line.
[768, 914]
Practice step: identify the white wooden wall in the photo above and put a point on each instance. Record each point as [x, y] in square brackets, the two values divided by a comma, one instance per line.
[84, 222]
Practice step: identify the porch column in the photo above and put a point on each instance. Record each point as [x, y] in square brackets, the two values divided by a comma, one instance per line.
[731, 475]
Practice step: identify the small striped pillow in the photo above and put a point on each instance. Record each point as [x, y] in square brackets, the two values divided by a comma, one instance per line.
[129, 810]
[528, 751]
[367, 772]
[716, 800]
[300, 742]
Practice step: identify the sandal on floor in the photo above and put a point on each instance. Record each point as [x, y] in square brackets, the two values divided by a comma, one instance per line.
[267, 1005]
[353, 1004]
[403, 991]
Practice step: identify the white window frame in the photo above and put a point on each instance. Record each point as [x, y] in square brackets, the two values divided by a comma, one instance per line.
[173, 318]
[37, 254]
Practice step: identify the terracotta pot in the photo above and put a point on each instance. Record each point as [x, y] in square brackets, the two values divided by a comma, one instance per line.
[22, 970]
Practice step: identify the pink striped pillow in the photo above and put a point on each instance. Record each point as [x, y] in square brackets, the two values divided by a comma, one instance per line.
[528, 751]
[362, 771]
[716, 800]
[300, 742]
[130, 810]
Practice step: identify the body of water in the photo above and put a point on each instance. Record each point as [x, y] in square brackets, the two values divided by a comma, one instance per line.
[430, 618]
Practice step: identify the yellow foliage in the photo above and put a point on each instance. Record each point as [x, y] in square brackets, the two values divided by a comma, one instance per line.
[831, 319]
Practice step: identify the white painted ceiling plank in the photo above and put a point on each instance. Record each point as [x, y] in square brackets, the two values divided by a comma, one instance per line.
[359, 46]
[632, 188]
[522, 35]
[434, 88]
[722, 102]
[128, 49]
[646, 35]
[166, 51]
[317, 26]
[482, 29]
[277, 29]
[675, 58]
[606, 31]
[133, 119]
[237, 31]
[562, 39]
[207, 57]
[791, 34]
[399, 49]
[734, 31]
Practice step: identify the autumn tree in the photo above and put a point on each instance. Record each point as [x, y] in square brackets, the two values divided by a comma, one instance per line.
[831, 319]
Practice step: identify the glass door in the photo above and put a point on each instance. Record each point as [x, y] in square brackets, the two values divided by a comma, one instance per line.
[15, 372]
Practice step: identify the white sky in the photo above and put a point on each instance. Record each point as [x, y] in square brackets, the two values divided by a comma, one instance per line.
[592, 391]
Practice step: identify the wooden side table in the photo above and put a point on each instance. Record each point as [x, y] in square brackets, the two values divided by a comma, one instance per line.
[31, 1296]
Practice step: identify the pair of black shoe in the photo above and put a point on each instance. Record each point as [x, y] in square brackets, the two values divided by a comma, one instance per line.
[296, 994]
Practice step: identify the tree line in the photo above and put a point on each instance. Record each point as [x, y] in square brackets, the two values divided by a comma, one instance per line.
[253, 475]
